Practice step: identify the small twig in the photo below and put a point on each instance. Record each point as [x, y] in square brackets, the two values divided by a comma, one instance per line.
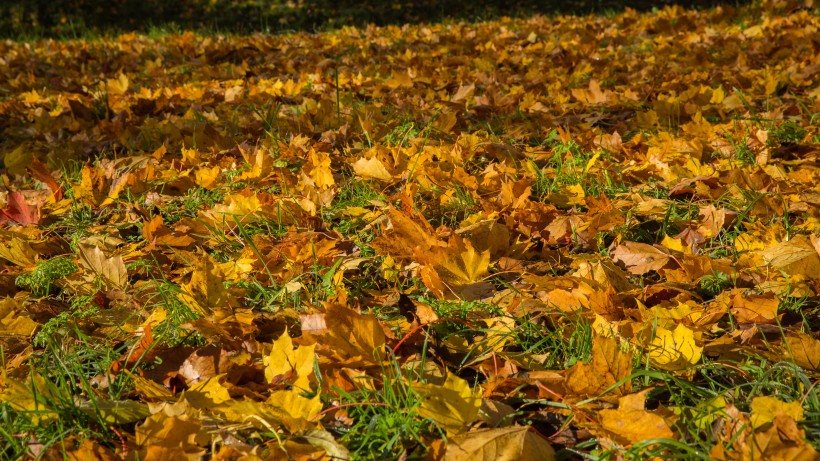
[346, 405]
[122, 441]
[419, 327]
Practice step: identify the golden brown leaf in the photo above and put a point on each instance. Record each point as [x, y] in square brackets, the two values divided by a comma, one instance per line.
[640, 258]
[514, 443]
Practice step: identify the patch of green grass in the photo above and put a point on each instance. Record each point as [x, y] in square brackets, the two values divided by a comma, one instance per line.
[787, 133]
[385, 414]
[462, 310]
[165, 294]
[712, 285]
[401, 133]
[561, 339]
[460, 206]
[189, 205]
[76, 224]
[81, 307]
[352, 193]
[58, 399]
[268, 113]
[41, 280]
[570, 165]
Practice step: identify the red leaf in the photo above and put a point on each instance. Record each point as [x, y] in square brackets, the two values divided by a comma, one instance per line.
[40, 172]
[17, 210]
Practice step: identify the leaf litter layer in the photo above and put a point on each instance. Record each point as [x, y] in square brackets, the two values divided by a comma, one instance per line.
[586, 237]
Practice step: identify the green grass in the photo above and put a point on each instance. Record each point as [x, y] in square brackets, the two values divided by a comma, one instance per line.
[42, 280]
[61, 397]
[385, 413]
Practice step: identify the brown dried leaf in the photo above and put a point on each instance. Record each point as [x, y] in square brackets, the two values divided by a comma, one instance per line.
[640, 258]
[110, 271]
[514, 443]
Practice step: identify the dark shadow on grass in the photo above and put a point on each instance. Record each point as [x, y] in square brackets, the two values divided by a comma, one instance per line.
[81, 18]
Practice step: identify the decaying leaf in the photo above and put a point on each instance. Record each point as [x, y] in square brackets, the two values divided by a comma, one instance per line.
[411, 241]
[110, 271]
[513, 443]
[640, 258]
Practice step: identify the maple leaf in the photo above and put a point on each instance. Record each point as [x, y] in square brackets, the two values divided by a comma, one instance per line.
[285, 361]
[371, 168]
[12, 322]
[609, 365]
[30, 396]
[640, 258]
[803, 349]
[351, 338]
[17, 249]
[766, 409]
[452, 404]
[110, 271]
[513, 443]
[631, 423]
[460, 263]
[206, 289]
[40, 172]
[675, 349]
[18, 211]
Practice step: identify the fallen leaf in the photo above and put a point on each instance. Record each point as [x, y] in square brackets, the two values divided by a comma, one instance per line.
[288, 364]
[765, 409]
[12, 322]
[17, 249]
[514, 443]
[674, 350]
[632, 425]
[110, 271]
[803, 349]
[371, 168]
[19, 211]
[640, 258]
[206, 290]
[41, 173]
[609, 365]
[452, 405]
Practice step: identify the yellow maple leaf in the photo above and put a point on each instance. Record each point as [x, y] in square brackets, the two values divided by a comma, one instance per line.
[321, 174]
[12, 323]
[514, 443]
[110, 271]
[765, 409]
[460, 263]
[452, 404]
[371, 168]
[676, 349]
[634, 425]
[285, 360]
[30, 397]
[206, 290]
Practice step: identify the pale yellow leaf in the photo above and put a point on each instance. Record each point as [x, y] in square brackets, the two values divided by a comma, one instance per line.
[111, 271]
[371, 168]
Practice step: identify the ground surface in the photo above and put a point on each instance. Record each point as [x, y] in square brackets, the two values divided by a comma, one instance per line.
[593, 235]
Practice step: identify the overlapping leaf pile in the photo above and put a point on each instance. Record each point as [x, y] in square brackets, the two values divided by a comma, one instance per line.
[482, 241]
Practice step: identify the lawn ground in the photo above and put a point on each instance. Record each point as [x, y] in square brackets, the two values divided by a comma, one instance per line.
[580, 237]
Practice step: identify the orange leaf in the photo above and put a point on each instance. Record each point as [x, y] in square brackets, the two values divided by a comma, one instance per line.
[640, 258]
